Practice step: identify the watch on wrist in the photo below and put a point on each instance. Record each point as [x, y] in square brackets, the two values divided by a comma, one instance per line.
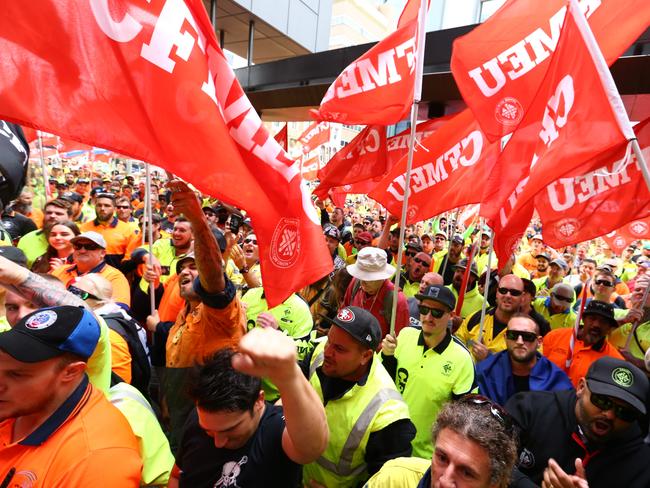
[244, 270]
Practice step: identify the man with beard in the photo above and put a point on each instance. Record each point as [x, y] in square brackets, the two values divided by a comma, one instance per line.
[212, 317]
[25, 205]
[439, 241]
[444, 260]
[473, 299]
[493, 336]
[588, 437]
[118, 234]
[556, 272]
[429, 366]
[575, 356]
[520, 367]
[35, 243]
[543, 260]
[410, 279]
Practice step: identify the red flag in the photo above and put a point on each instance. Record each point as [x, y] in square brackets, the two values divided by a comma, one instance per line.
[378, 87]
[499, 65]
[576, 209]
[469, 215]
[556, 136]
[316, 134]
[310, 168]
[30, 134]
[445, 171]
[67, 145]
[630, 232]
[148, 80]
[283, 137]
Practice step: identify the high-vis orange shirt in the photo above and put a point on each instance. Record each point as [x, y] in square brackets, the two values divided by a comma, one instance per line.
[85, 442]
[121, 288]
[118, 235]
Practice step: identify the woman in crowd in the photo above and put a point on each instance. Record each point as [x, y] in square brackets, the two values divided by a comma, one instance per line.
[59, 249]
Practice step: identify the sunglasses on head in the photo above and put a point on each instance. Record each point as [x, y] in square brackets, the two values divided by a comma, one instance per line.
[88, 246]
[604, 283]
[250, 241]
[497, 412]
[561, 298]
[423, 262]
[78, 292]
[513, 335]
[605, 403]
[503, 291]
[436, 313]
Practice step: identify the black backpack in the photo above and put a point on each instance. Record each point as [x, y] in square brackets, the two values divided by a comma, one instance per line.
[140, 366]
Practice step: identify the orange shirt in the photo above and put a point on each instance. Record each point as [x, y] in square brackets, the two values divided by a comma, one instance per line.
[529, 262]
[37, 217]
[121, 288]
[86, 442]
[120, 356]
[197, 335]
[171, 302]
[556, 348]
[118, 235]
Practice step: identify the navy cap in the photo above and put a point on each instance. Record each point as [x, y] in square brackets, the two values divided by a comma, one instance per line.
[619, 379]
[602, 309]
[440, 294]
[360, 324]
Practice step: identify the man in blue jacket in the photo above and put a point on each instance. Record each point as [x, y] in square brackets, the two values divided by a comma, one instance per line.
[520, 367]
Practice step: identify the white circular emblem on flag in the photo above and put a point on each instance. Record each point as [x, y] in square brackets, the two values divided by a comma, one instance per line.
[638, 228]
[347, 187]
[509, 111]
[620, 242]
[566, 228]
[345, 315]
[285, 243]
[41, 320]
[412, 212]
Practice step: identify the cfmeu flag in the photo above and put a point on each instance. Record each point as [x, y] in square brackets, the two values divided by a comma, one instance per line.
[620, 238]
[148, 80]
[575, 209]
[283, 137]
[314, 136]
[575, 118]
[499, 65]
[378, 87]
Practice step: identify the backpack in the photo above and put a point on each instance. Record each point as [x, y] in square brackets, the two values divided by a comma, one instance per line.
[140, 366]
[387, 306]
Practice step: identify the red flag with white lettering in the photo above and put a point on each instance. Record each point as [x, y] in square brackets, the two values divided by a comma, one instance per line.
[283, 137]
[446, 168]
[630, 232]
[499, 65]
[148, 80]
[310, 167]
[378, 87]
[556, 136]
[576, 209]
[317, 134]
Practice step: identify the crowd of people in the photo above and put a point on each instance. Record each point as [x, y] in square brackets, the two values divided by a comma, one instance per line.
[121, 366]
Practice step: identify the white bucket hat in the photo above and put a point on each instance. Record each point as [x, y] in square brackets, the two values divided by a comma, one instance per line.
[371, 265]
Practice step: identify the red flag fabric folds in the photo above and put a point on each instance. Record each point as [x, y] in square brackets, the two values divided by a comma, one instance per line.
[283, 137]
[148, 80]
[633, 231]
[446, 167]
[315, 135]
[576, 209]
[499, 65]
[556, 137]
[378, 87]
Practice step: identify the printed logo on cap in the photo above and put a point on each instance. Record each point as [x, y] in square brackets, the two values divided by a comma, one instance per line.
[623, 377]
[41, 320]
[434, 292]
[345, 315]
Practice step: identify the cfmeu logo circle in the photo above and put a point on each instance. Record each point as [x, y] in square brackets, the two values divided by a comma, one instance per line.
[509, 111]
[285, 243]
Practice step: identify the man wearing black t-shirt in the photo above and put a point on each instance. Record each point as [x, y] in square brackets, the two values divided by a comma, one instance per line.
[520, 367]
[233, 437]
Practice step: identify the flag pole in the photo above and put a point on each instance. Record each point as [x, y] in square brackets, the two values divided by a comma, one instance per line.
[46, 180]
[450, 238]
[417, 94]
[486, 288]
[149, 222]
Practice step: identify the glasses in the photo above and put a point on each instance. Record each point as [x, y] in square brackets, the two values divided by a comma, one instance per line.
[88, 246]
[604, 283]
[250, 241]
[422, 262]
[410, 254]
[496, 411]
[503, 291]
[436, 313]
[440, 239]
[123, 206]
[605, 403]
[561, 298]
[78, 292]
[513, 335]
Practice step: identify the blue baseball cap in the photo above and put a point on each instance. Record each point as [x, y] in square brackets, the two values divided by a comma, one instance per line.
[51, 332]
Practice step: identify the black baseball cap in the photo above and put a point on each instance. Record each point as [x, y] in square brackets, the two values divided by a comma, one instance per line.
[440, 294]
[360, 324]
[51, 332]
[463, 265]
[14, 254]
[332, 231]
[602, 309]
[72, 196]
[619, 379]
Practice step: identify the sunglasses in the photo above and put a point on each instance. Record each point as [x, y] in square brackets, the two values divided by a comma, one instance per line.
[410, 254]
[604, 283]
[436, 313]
[78, 292]
[88, 246]
[123, 206]
[605, 403]
[561, 298]
[503, 291]
[250, 241]
[422, 262]
[496, 411]
[513, 335]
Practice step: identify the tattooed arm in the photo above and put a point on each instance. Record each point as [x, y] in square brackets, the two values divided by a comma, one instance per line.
[35, 288]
